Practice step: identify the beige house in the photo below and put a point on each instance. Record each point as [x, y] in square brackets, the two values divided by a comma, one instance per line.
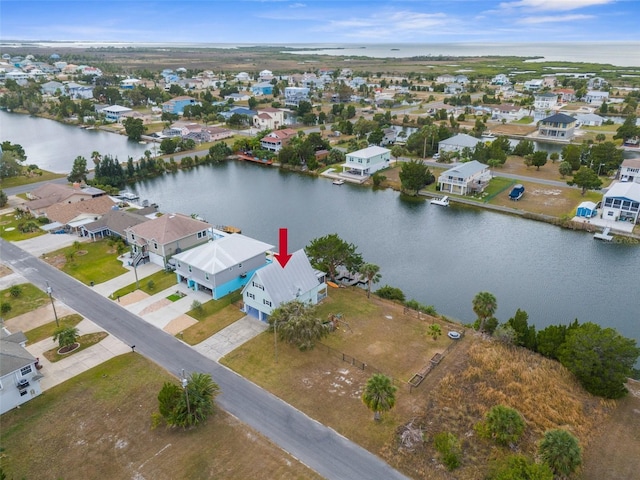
[268, 118]
[559, 127]
[50, 194]
[159, 239]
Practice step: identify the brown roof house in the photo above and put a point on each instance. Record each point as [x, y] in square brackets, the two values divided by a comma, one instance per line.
[159, 239]
[49, 194]
[74, 215]
[116, 221]
[277, 139]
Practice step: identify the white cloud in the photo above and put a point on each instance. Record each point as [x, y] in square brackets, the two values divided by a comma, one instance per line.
[553, 19]
[297, 5]
[553, 5]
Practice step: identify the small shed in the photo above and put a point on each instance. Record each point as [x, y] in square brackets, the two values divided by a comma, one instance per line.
[586, 209]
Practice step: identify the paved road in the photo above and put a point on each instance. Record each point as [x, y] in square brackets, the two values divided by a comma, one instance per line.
[319, 447]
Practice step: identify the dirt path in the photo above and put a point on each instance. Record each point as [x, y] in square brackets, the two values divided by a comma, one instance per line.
[617, 441]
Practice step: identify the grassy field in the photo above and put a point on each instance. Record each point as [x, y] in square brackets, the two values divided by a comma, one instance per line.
[88, 262]
[161, 280]
[30, 298]
[475, 375]
[211, 324]
[100, 421]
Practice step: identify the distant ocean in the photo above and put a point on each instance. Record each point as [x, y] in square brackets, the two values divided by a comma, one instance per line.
[622, 54]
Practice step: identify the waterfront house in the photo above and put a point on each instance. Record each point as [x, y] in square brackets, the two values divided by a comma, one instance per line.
[19, 376]
[116, 221]
[113, 113]
[466, 178]
[53, 88]
[262, 88]
[176, 105]
[545, 101]
[457, 143]
[74, 215]
[271, 286]
[240, 111]
[533, 85]
[159, 239]
[558, 127]
[595, 97]
[268, 118]
[630, 170]
[77, 91]
[367, 161]
[277, 139]
[589, 119]
[44, 196]
[622, 202]
[508, 112]
[222, 265]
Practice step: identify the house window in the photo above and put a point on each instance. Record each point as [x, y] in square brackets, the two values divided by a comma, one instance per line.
[206, 276]
[189, 268]
[257, 285]
[133, 237]
[179, 265]
[25, 370]
[251, 295]
[23, 392]
[239, 265]
[155, 245]
[266, 302]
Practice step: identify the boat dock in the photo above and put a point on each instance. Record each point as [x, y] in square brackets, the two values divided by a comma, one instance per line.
[604, 235]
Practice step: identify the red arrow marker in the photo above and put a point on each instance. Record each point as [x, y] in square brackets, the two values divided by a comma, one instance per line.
[282, 256]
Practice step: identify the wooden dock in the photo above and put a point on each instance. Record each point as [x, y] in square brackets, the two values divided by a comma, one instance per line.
[250, 158]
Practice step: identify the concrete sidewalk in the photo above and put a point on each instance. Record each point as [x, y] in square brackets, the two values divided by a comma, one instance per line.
[107, 288]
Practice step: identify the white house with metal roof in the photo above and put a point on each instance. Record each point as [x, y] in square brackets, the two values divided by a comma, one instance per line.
[113, 113]
[273, 285]
[630, 170]
[19, 376]
[622, 202]
[367, 161]
[465, 178]
[222, 265]
[457, 143]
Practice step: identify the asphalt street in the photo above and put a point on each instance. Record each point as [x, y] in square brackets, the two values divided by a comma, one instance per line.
[317, 446]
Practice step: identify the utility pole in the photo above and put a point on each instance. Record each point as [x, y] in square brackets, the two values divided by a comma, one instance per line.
[185, 384]
[55, 314]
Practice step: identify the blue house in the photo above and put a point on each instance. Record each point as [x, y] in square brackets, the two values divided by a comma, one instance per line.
[240, 111]
[222, 265]
[176, 105]
[586, 210]
[262, 88]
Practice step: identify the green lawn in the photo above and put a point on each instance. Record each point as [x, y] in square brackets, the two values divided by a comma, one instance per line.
[30, 298]
[10, 232]
[47, 330]
[523, 121]
[24, 180]
[90, 262]
[152, 284]
[212, 307]
[211, 324]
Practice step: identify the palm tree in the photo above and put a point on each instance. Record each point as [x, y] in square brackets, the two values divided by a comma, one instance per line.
[65, 336]
[484, 306]
[379, 394]
[95, 156]
[561, 451]
[371, 273]
[434, 331]
[190, 405]
[295, 322]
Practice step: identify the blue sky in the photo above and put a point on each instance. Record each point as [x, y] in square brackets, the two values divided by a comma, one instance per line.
[321, 21]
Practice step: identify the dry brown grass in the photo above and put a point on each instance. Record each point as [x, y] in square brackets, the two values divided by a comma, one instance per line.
[98, 425]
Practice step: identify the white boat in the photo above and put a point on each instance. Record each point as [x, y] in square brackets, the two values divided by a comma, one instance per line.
[338, 181]
[128, 196]
[443, 201]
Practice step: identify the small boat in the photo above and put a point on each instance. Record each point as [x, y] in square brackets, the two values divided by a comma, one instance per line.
[338, 181]
[128, 196]
[443, 201]
[517, 192]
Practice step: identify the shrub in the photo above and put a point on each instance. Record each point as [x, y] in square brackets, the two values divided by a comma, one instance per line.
[502, 424]
[196, 305]
[448, 446]
[560, 451]
[151, 284]
[390, 293]
[428, 309]
[519, 467]
[5, 308]
[15, 291]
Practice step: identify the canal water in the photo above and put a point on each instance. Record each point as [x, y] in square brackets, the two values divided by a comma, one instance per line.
[437, 256]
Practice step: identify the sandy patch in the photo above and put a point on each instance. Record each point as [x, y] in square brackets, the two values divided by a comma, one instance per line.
[39, 316]
[133, 297]
[179, 324]
[155, 306]
[4, 271]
